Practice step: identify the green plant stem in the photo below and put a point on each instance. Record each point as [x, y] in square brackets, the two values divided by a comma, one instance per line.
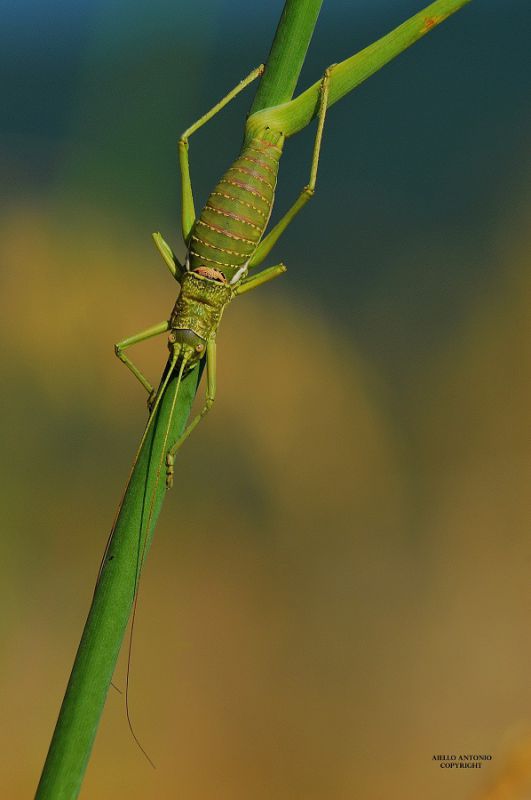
[292, 116]
[111, 605]
[287, 54]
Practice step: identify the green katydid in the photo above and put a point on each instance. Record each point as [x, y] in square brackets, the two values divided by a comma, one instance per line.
[224, 243]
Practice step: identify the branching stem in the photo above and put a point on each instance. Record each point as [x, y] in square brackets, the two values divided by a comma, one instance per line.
[114, 594]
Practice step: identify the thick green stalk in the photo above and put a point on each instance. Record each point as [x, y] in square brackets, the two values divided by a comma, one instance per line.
[111, 605]
[287, 54]
[292, 116]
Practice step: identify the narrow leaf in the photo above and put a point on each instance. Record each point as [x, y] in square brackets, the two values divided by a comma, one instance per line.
[294, 115]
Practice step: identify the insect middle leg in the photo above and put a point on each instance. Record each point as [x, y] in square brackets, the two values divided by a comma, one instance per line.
[273, 236]
[209, 400]
[119, 348]
[265, 275]
[187, 198]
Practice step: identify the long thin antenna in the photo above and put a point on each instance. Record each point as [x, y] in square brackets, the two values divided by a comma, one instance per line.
[137, 456]
[142, 550]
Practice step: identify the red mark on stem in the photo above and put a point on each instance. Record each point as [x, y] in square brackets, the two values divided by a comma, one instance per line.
[430, 22]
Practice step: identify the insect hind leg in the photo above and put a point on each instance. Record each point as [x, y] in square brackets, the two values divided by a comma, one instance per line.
[187, 197]
[267, 244]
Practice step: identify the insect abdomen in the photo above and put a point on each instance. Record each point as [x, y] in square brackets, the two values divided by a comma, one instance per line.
[233, 221]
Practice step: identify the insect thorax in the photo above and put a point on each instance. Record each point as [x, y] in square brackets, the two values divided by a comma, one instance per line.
[200, 305]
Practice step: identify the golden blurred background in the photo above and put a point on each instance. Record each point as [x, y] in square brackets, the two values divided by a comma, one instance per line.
[339, 584]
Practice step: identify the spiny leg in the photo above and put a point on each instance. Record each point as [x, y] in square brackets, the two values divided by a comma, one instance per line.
[155, 330]
[187, 197]
[210, 397]
[264, 276]
[271, 239]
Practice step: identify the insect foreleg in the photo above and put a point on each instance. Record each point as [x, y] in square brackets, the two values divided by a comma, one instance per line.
[262, 277]
[119, 348]
[187, 197]
[210, 397]
[171, 260]
[265, 247]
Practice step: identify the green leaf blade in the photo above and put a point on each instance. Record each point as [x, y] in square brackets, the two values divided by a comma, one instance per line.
[291, 117]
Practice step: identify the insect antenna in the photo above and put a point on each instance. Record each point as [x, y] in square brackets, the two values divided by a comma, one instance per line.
[109, 538]
[142, 548]
[135, 460]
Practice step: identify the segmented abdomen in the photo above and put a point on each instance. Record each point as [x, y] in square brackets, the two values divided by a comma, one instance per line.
[233, 221]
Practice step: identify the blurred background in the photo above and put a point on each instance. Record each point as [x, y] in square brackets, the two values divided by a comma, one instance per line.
[339, 585]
